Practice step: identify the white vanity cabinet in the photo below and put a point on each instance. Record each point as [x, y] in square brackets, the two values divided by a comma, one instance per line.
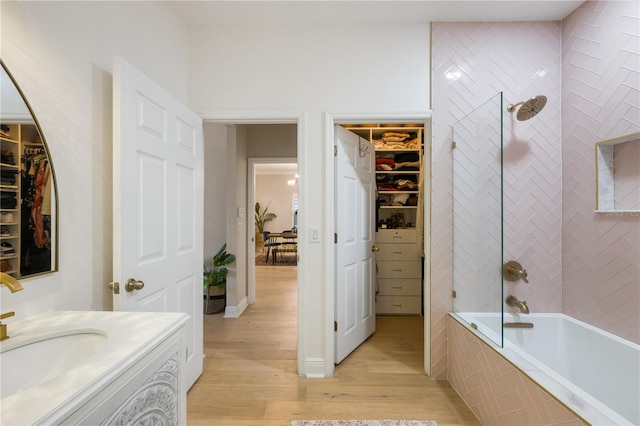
[149, 392]
[110, 368]
[399, 272]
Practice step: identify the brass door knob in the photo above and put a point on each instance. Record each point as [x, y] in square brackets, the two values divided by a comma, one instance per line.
[133, 284]
[115, 286]
[375, 248]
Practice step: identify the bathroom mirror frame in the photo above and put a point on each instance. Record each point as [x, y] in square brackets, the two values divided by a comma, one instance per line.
[54, 224]
[605, 174]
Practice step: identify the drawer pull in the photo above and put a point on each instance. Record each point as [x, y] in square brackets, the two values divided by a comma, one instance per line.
[397, 306]
[397, 270]
[398, 287]
[397, 252]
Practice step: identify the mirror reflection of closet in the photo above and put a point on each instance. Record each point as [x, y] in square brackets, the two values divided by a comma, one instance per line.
[28, 209]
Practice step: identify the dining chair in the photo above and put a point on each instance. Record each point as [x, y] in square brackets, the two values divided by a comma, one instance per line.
[269, 242]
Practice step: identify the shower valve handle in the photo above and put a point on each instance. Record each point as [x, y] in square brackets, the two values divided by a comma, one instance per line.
[513, 271]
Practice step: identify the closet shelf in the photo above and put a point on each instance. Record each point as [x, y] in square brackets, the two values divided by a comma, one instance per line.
[398, 192]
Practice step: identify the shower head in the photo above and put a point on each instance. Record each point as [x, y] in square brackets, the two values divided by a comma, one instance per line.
[529, 108]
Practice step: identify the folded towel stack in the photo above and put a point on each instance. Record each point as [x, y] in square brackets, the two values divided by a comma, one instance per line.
[397, 141]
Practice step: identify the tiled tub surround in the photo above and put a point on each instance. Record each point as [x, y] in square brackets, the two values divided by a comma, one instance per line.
[560, 363]
[471, 63]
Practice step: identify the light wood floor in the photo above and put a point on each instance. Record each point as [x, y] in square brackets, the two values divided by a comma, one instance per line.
[250, 375]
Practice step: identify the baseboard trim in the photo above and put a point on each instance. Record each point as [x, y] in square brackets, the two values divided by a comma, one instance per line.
[314, 368]
[237, 310]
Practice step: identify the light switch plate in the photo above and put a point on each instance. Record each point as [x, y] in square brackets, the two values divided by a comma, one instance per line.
[314, 232]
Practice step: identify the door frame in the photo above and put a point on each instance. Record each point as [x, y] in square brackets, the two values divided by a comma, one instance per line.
[330, 120]
[299, 118]
[325, 366]
[251, 201]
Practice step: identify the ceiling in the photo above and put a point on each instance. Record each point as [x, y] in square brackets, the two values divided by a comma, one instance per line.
[206, 13]
[276, 169]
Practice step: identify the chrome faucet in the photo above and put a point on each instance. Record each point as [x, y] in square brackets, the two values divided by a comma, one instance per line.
[513, 271]
[13, 285]
[512, 301]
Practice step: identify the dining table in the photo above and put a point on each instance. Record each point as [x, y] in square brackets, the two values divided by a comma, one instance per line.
[281, 242]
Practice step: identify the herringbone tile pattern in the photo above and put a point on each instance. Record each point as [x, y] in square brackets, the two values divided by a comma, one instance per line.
[601, 100]
[471, 63]
[477, 205]
[495, 390]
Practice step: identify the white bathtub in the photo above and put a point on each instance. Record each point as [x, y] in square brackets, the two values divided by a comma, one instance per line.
[594, 373]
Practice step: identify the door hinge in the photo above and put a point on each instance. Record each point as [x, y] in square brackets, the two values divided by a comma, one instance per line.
[335, 238]
[453, 145]
[335, 326]
[335, 150]
[453, 294]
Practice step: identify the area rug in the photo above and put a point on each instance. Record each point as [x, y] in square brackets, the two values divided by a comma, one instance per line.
[363, 423]
[288, 261]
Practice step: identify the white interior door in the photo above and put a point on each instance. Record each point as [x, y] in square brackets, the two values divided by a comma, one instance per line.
[355, 221]
[158, 204]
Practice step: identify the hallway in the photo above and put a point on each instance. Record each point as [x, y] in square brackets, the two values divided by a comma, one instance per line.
[250, 370]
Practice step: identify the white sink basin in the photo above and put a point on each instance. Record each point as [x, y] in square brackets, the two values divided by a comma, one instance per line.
[58, 362]
[44, 358]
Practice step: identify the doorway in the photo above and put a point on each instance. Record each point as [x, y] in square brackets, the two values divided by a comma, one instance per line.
[271, 182]
[315, 316]
[235, 148]
[424, 218]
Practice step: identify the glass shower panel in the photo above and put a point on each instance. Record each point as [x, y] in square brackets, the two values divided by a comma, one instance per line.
[477, 219]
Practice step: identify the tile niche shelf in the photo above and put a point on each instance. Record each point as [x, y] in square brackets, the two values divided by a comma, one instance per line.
[618, 175]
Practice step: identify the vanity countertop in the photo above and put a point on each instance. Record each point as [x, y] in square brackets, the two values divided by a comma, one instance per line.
[129, 337]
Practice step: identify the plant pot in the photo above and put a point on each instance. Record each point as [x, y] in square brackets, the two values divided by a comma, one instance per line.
[259, 242]
[215, 299]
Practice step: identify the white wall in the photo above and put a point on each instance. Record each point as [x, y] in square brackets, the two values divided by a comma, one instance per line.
[215, 189]
[313, 69]
[61, 55]
[272, 140]
[273, 188]
[235, 184]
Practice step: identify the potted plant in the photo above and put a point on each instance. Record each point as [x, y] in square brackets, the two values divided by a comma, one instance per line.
[215, 279]
[262, 217]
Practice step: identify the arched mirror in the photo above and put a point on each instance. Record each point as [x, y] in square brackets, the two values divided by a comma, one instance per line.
[28, 222]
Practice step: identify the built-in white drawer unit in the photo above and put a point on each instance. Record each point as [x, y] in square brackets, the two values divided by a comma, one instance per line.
[396, 236]
[400, 287]
[397, 252]
[398, 305]
[399, 273]
[399, 269]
